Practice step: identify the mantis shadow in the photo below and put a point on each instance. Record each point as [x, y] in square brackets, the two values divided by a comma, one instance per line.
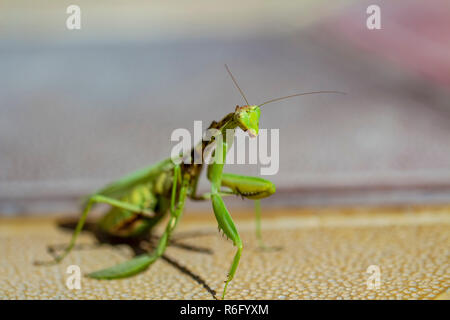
[138, 245]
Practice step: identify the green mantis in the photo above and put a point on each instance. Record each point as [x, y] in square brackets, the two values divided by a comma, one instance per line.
[140, 200]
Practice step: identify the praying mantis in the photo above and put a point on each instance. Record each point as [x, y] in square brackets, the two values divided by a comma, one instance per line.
[140, 200]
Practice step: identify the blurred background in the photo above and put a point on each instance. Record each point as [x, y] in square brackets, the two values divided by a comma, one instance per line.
[80, 108]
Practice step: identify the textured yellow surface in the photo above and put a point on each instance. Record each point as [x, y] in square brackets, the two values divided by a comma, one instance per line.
[324, 255]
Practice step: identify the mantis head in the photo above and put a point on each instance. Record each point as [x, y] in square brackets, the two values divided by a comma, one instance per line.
[247, 118]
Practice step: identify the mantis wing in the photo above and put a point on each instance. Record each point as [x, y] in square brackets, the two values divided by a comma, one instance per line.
[119, 188]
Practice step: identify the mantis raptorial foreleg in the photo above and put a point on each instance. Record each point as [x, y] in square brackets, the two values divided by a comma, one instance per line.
[142, 262]
[247, 186]
[223, 217]
[251, 188]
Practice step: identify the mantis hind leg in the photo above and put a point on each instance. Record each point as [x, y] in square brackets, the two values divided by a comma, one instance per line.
[261, 243]
[258, 224]
[92, 200]
[143, 261]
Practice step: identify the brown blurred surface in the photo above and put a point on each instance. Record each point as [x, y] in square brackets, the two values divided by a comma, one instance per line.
[325, 254]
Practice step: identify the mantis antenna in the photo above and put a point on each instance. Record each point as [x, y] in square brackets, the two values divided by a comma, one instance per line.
[298, 94]
[235, 83]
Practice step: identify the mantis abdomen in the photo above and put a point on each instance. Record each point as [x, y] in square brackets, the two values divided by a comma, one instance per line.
[151, 197]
